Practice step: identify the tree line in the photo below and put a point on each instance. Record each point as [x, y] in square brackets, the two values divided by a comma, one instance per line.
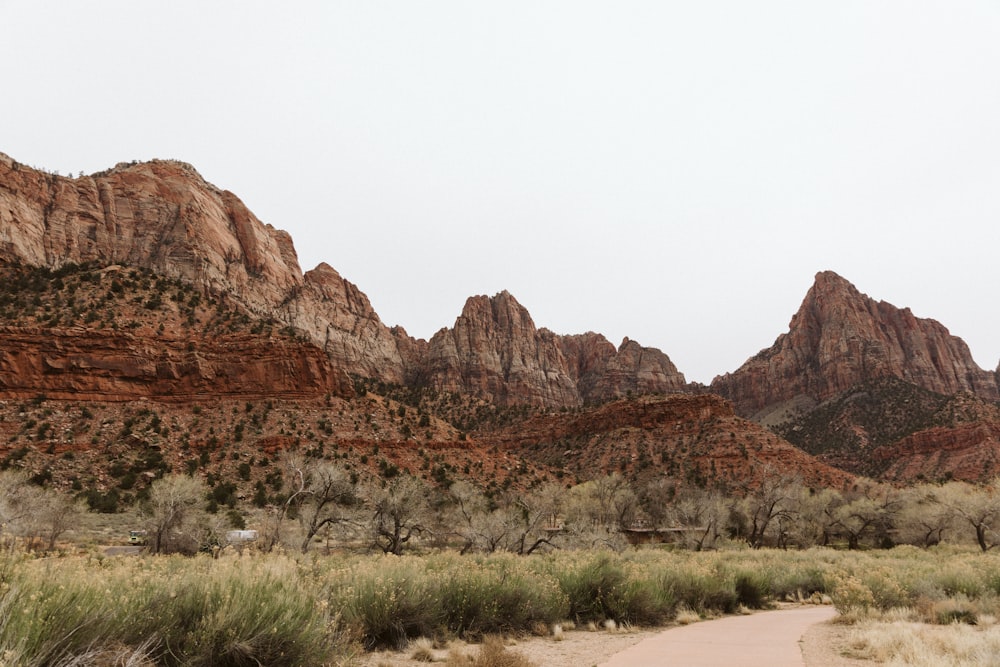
[327, 506]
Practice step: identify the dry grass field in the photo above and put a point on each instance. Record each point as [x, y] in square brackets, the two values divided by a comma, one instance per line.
[897, 606]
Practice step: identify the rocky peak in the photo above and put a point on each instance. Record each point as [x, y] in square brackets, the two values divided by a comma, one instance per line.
[162, 215]
[839, 338]
[495, 351]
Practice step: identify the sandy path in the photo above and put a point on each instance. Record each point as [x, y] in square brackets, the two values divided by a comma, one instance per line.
[765, 639]
[800, 630]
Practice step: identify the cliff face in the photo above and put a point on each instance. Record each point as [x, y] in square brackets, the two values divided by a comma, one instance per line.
[840, 338]
[163, 216]
[495, 351]
[77, 364]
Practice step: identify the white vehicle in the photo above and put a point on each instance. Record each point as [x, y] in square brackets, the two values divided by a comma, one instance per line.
[241, 536]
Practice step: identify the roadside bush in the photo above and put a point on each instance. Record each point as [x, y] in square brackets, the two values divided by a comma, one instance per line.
[386, 601]
[496, 595]
[169, 610]
[701, 592]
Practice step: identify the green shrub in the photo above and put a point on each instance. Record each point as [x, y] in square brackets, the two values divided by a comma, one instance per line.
[176, 611]
[700, 592]
[752, 590]
[388, 601]
[496, 595]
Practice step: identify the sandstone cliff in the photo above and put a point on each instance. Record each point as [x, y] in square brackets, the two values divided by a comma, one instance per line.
[163, 216]
[495, 351]
[839, 338]
[78, 364]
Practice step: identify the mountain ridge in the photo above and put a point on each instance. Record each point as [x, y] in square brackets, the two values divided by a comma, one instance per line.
[214, 289]
[163, 216]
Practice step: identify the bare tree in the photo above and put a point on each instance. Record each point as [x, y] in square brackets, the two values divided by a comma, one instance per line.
[400, 510]
[816, 519]
[767, 507]
[533, 518]
[655, 500]
[471, 519]
[321, 490]
[15, 504]
[53, 514]
[870, 513]
[173, 510]
[698, 516]
[612, 502]
[977, 506]
[38, 515]
[924, 520]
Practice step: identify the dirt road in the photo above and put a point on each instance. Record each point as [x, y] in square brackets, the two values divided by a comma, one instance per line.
[765, 639]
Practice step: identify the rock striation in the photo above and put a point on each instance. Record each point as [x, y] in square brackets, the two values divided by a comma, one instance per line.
[494, 351]
[80, 364]
[840, 338]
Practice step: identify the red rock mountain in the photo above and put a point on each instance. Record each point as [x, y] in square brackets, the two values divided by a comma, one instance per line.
[163, 216]
[840, 338]
[494, 351]
[77, 364]
[695, 439]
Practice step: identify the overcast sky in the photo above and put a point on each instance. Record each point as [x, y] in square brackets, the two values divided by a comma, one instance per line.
[674, 172]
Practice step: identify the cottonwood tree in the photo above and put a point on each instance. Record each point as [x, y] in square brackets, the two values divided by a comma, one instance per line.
[531, 519]
[583, 525]
[321, 492]
[400, 510]
[815, 521]
[698, 516]
[869, 514]
[468, 508]
[52, 515]
[609, 501]
[924, 520]
[979, 507]
[38, 515]
[655, 499]
[767, 510]
[15, 505]
[174, 512]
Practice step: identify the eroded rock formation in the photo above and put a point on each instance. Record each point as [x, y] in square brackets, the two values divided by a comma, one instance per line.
[496, 352]
[78, 364]
[162, 215]
[839, 338]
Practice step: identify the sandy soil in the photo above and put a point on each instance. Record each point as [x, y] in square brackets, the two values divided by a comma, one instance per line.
[578, 648]
[825, 645]
[822, 645]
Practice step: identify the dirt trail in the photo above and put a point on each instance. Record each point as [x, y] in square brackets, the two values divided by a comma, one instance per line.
[765, 639]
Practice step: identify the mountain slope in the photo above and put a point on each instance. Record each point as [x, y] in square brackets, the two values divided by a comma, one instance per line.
[164, 217]
[892, 430]
[840, 338]
[691, 439]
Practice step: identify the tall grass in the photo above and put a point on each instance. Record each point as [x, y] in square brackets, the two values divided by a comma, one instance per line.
[173, 611]
[285, 610]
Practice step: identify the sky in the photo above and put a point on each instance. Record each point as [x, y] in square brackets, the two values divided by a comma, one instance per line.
[673, 172]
